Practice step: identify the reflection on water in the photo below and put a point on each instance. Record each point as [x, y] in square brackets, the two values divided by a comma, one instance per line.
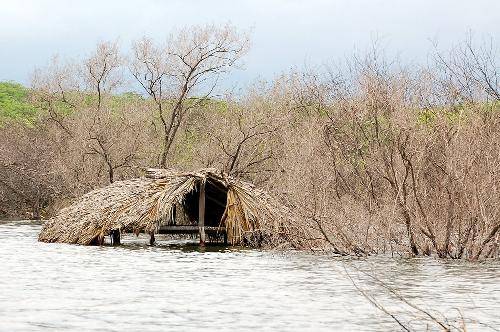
[178, 286]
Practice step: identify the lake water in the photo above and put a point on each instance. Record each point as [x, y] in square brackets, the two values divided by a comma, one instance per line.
[175, 286]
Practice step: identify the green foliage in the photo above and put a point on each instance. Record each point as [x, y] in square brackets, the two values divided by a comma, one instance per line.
[492, 107]
[220, 106]
[453, 115]
[14, 104]
[426, 116]
[124, 99]
[89, 99]
[186, 147]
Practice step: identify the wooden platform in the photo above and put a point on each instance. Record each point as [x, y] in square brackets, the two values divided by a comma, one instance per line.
[183, 229]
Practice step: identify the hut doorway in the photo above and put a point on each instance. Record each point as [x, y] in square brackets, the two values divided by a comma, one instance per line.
[215, 203]
[203, 210]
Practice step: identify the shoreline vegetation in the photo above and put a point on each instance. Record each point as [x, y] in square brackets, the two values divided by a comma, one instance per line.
[372, 156]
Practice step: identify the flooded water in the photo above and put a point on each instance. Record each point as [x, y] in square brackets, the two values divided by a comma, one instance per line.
[175, 286]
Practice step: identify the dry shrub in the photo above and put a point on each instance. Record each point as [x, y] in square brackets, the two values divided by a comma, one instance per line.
[373, 157]
[374, 171]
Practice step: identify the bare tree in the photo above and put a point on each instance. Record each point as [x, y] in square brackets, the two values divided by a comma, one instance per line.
[181, 75]
[102, 70]
[470, 72]
[54, 89]
[246, 150]
[103, 76]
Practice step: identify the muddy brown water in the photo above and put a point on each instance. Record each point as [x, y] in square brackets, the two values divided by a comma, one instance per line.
[176, 286]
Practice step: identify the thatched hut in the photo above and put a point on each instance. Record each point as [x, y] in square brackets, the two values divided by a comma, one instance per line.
[211, 202]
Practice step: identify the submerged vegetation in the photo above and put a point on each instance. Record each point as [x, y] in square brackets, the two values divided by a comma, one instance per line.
[371, 157]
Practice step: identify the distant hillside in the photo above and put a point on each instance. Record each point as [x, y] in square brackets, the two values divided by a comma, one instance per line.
[14, 103]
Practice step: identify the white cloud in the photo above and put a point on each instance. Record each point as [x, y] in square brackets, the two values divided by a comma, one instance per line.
[286, 32]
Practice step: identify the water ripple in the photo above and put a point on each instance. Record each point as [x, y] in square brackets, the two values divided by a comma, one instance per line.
[178, 286]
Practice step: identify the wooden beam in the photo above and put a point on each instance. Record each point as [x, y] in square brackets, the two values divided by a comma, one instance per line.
[201, 213]
[189, 229]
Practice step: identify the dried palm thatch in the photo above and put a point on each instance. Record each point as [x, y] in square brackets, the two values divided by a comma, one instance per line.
[143, 204]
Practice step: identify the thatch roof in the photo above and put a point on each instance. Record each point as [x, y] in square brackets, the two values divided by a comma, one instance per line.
[142, 204]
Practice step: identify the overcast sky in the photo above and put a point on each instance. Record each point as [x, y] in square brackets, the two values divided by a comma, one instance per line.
[286, 33]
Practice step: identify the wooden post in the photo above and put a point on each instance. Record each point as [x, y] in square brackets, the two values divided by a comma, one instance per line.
[201, 213]
[115, 237]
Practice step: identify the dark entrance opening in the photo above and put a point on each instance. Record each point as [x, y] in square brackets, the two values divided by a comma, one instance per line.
[215, 203]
